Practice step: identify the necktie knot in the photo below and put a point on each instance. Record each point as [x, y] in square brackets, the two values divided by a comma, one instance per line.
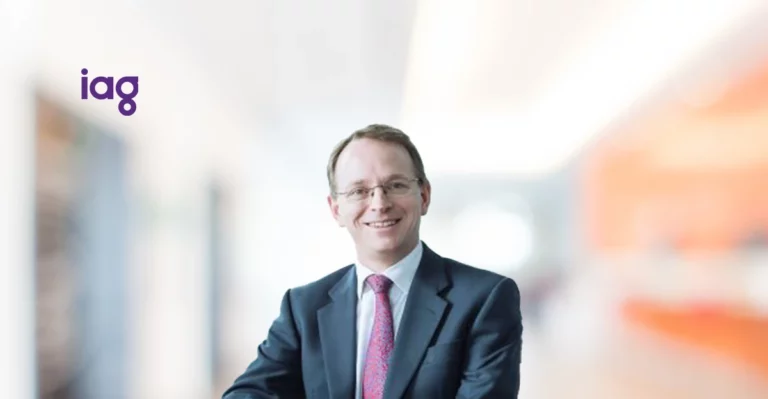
[378, 283]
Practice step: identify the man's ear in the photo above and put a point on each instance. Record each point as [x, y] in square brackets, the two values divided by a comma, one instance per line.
[333, 205]
[426, 197]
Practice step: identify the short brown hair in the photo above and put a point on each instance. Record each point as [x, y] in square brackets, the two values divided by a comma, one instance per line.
[381, 132]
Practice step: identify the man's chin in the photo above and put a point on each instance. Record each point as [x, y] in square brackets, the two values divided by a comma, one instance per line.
[384, 246]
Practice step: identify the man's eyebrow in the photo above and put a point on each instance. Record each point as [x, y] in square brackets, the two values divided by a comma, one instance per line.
[357, 182]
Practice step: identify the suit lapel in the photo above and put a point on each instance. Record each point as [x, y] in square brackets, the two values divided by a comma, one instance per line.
[423, 312]
[338, 338]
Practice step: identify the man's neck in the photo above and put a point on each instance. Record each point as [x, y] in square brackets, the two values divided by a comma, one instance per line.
[379, 262]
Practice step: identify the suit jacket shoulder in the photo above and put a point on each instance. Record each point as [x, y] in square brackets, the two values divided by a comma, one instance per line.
[315, 293]
[464, 276]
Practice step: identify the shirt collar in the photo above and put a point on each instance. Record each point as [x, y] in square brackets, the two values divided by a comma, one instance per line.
[401, 273]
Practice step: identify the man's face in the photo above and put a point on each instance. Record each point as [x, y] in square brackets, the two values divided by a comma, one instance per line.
[384, 226]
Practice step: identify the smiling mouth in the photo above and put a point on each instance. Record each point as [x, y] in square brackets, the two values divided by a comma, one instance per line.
[383, 224]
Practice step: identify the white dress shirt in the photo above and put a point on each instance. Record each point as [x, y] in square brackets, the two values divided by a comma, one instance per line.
[401, 274]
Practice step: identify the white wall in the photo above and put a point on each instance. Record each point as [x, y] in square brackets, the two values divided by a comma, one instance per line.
[180, 136]
[16, 121]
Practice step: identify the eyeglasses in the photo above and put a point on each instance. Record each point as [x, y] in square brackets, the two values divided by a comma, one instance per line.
[394, 188]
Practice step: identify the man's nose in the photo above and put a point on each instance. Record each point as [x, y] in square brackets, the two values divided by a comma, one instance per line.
[379, 199]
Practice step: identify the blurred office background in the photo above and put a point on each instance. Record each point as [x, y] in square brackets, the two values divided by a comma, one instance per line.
[610, 156]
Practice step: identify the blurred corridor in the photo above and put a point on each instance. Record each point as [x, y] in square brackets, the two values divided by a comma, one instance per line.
[610, 156]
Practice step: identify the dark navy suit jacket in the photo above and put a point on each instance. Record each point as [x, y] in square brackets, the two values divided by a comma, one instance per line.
[460, 337]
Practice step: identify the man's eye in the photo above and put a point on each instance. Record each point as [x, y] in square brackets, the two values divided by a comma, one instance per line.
[357, 191]
[399, 185]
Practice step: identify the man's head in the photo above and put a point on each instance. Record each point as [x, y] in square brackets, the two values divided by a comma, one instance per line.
[378, 191]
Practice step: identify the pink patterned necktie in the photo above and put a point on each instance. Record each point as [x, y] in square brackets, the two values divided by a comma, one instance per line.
[382, 339]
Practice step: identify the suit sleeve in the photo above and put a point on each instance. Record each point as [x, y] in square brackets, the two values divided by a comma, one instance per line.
[276, 372]
[494, 351]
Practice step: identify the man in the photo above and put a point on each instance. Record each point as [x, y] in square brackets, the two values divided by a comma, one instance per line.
[402, 322]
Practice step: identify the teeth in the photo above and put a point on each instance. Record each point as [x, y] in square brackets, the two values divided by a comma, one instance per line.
[382, 224]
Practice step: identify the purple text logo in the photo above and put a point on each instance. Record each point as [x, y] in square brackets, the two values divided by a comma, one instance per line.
[126, 106]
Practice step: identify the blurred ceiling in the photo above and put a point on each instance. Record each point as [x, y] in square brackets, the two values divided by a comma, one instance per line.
[538, 79]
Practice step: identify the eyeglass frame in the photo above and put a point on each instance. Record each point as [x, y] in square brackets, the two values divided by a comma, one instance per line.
[372, 190]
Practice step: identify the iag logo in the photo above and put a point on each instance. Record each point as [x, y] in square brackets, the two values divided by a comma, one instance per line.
[126, 106]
